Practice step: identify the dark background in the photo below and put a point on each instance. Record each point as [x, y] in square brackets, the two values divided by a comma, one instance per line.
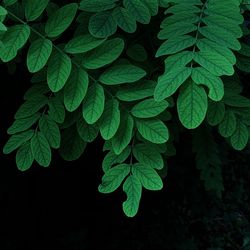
[60, 207]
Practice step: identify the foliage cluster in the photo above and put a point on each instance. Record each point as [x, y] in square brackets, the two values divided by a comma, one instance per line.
[138, 72]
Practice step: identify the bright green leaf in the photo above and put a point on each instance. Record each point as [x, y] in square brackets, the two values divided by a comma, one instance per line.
[34, 8]
[133, 189]
[113, 178]
[59, 21]
[147, 176]
[153, 130]
[38, 54]
[50, 130]
[93, 105]
[15, 141]
[148, 156]
[105, 54]
[41, 149]
[59, 68]
[82, 44]
[110, 120]
[75, 89]
[120, 74]
[192, 105]
[124, 134]
[24, 157]
[149, 108]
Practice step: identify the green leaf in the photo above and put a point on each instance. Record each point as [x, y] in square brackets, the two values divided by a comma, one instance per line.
[59, 68]
[153, 130]
[180, 17]
[31, 106]
[3, 11]
[138, 10]
[149, 108]
[176, 29]
[208, 45]
[9, 2]
[124, 19]
[75, 88]
[87, 132]
[72, 145]
[169, 82]
[105, 54]
[93, 104]
[240, 137]
[220, 36]
[24, 157]
[97, 5]
[228, 125]
[237, 101]
[133, 189]
[36, 90]
[147, 176]
[13, 39]
[113, 178]
[215, 113]
[110, 120]
[192, 105]
[15, 141]
[120, 74]
[38, 54]
[152, 6]
[41, 149]
[230, 15]
[214, 83]
[56, 110]
[214, 63]
[178, 61]
[34, 8]
[175, 44]
[2, 28]
[82, 44]
[138, 91]
[21, 125]
[50, 130]
[124, 134]
[111, 158]
[102, 24]
[59, 21]
[148, 156]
